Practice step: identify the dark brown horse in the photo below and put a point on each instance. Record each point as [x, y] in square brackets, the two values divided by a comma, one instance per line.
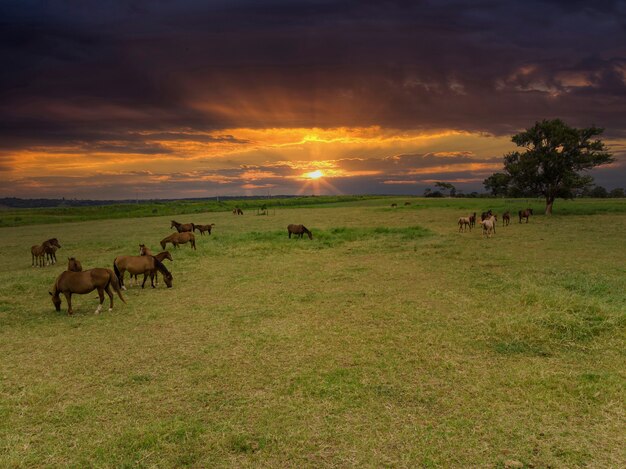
[203, 228]
[299, 230]
[237, 211]
[74, 265]
[81, 283]
[506, 218]
[182, 227]
[485, 215]
[525, 214]
[407, 203]
[146, 265]
[394, 205]
[179, 238]
[38, 252]
[472, 219]
[52, 245]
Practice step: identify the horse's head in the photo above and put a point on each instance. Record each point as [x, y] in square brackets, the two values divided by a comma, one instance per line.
[142, 249]
[173, 224]
[168, 256]
[73, 265]
[168, 280]
[56, 300]
[310, 234]
[530, 210]
[54, 242]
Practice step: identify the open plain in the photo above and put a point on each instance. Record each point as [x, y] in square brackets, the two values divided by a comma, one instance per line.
[389, 340]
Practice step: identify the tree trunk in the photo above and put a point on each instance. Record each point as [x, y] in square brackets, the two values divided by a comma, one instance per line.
[549, 203]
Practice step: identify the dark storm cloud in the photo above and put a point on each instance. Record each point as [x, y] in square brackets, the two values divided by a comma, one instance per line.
[74, 69]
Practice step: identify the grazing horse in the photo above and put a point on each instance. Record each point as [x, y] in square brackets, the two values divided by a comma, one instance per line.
[74, 265]
[394, 205]
[407, 203]
[472, 219]
[464, 222]
[182, 227]
[85, 282]
[506, 218]
[203, 228]
[146, 265]
[298, 230]
[144, 251]
[237, 211]
[179, 238]
[525, 214]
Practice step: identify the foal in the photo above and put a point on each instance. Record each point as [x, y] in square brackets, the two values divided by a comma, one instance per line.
[464, 223]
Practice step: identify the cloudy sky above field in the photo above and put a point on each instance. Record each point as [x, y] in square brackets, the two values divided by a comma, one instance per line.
[115, 99]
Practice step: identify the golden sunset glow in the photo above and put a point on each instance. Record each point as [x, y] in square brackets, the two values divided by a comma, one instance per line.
[314, 174]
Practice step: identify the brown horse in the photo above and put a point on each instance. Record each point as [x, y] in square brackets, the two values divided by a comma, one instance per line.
[182, 227]
[52, 245]
[146, 265]
[299, 230]
[486, 215]
[203, 228]
[237, 211]
[464, 223]
[144, 251]
[179, 238]
[472, 219]
[394, 205]
[74, 265]
[506, 218]
[38, 253]
[407, 203]
[525, 214]
[85, 282]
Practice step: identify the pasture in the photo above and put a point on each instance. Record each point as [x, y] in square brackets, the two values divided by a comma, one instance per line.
[388, 340]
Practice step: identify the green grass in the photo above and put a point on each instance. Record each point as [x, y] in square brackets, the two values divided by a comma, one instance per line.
[389, 340]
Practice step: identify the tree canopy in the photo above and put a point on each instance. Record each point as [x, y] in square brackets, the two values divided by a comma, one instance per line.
[551, 165]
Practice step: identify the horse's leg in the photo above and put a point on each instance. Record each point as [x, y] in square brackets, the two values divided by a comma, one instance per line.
[156, 277]
[152, 273]
[68, 298]
[101, 296]
[110, 293]
[290, 235]
[145, 276]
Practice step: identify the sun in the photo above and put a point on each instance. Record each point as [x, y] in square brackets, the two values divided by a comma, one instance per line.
[314, 174]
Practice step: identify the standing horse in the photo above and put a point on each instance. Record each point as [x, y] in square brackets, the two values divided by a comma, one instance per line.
[299, 230]
[179, 238]
[182, 227]
[38, 253]
[525, 214]
[489, 226]
[146, 265]
[506, 218]
[85, 282]
[52, 245]
[472, 218]
[485, 215]
[203, 228]
[74, 265]
[464, 222]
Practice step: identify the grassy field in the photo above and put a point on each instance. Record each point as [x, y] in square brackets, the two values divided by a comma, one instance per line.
[389, 340]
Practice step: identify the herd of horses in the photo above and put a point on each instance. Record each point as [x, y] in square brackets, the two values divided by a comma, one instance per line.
[488, 221]
[75, 280]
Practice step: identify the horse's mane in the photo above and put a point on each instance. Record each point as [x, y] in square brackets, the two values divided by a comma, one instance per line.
[159, 265]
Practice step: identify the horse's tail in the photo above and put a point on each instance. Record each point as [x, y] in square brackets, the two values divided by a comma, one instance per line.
[115, 282]
[118, 274]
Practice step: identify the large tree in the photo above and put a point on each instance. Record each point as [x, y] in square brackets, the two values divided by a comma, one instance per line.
[555, 155]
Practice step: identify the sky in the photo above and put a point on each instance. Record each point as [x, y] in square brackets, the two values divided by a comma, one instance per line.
[166, 99]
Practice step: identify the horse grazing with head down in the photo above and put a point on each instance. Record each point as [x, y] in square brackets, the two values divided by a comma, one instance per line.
[85, 282]
[144, 251]
[299, 231]
[237, 211]
[203, 228]
[179, 238]
[525, 214]
[182, 227]
[135, 265]
[74, 265]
